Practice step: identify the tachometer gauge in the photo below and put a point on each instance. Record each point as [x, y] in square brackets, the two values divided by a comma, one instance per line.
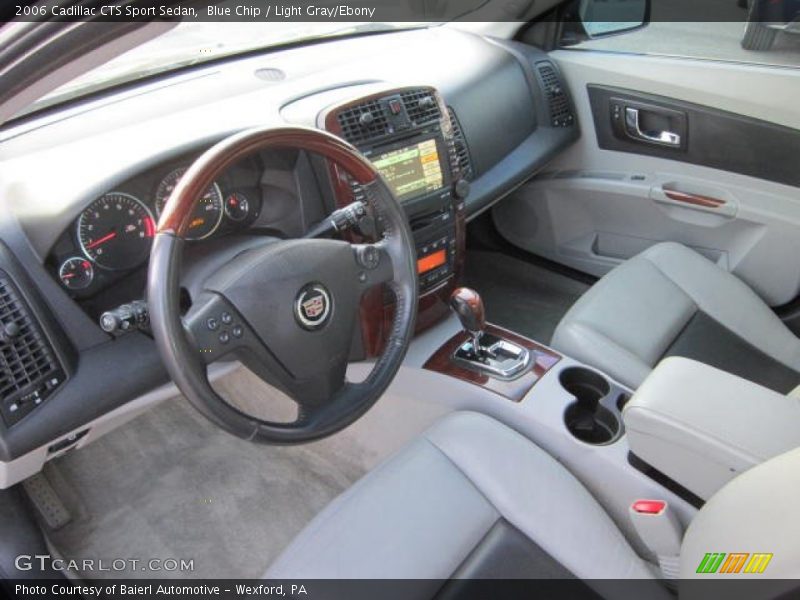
[116, 231]
[207, 213]
[237, 206]
[76, 273]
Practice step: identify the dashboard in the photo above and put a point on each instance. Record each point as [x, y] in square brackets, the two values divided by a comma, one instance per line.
[75, 243]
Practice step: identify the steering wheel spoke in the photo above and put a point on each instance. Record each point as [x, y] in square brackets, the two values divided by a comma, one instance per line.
[217, 329]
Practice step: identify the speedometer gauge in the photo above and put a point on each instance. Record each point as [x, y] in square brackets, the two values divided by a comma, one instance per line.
[116, 231]
[207, 213]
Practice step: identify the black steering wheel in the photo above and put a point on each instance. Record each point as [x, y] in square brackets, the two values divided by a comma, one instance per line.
[287, 309]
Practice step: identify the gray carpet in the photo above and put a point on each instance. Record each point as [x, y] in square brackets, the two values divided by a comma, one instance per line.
[169, 484]
[521, 296]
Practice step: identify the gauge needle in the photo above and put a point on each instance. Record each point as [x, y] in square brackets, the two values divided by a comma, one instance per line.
[102, 240]
[68, 276]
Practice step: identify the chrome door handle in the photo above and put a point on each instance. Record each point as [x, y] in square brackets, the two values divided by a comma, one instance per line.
[666, 138]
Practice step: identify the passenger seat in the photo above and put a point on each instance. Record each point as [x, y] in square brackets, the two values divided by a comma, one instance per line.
[671, 301]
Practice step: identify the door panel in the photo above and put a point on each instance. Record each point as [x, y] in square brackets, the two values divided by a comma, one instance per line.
[657, 126]
[611, 196]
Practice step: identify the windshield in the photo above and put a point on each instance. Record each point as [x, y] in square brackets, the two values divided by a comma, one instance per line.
[193, 43]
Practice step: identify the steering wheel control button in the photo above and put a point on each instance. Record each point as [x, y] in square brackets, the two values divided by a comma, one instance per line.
[237, 331]
[227, 319]
[313, 306]
[369, 257]
[212, 323]
[224, 337]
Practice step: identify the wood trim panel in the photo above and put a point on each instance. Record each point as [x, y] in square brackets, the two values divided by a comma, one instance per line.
[543, 360]
[695, 199]
[376, 312]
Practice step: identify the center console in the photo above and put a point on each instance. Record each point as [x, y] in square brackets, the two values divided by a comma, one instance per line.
[571, 411]
[415, 142]
[702, 427]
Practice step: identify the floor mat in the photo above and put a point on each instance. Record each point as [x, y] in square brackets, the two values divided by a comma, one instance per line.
[170, 485]
[519, 295]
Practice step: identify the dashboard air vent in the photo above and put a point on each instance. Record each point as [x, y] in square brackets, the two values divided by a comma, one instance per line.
[460, 149]
[363, 122]
[28, 369]
[560, 110]
[421, 106]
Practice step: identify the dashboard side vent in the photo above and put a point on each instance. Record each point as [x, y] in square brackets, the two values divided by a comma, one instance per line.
[363, 122]
[558, 102]
[28, 368]
[463, 162]
[421, 106]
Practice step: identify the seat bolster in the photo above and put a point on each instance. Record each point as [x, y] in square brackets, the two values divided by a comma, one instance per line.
[626, 321]
[727, 300]
[584, 343]
[413, 517]
[756, 513]
[420, 514]
[538, 496]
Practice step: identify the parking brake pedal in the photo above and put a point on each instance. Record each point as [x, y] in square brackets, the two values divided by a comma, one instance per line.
[46, 501]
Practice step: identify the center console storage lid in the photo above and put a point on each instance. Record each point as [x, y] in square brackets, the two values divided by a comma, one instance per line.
[701, 426]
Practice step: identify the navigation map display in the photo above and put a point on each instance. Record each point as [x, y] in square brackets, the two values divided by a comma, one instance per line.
[411, 171]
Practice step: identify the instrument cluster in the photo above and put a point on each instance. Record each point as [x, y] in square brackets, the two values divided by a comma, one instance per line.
[113, 235]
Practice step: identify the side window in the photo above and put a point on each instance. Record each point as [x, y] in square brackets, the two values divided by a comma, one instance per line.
[747, 31]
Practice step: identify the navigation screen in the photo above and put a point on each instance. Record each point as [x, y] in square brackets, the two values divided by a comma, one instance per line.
[413, 170]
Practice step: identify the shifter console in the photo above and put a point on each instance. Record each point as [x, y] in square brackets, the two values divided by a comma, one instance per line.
[485, 352]
[493, 355]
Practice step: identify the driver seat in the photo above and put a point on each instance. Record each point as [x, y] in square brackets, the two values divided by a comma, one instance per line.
[472, 499]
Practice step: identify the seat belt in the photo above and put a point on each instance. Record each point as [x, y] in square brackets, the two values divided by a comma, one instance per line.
[659, 529]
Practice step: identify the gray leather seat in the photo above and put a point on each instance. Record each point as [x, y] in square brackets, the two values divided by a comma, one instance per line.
[671, 301]
[471, 498]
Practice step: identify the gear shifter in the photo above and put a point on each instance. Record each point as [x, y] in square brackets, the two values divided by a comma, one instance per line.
[468, 305]
[485, 352]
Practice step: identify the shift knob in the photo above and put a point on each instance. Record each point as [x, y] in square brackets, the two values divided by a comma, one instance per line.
[468, 305]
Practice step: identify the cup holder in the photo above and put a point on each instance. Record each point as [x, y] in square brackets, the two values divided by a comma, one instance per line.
[593, 417]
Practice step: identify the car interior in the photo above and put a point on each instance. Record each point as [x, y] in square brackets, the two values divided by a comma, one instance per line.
[438, 302]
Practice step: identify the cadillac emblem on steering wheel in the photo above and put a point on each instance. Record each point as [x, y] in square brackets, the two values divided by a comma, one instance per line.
[313, 306]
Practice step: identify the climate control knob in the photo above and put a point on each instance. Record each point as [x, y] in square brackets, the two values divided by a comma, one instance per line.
[461, 189]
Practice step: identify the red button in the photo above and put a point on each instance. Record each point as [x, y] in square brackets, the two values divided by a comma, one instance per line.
[649, 507]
